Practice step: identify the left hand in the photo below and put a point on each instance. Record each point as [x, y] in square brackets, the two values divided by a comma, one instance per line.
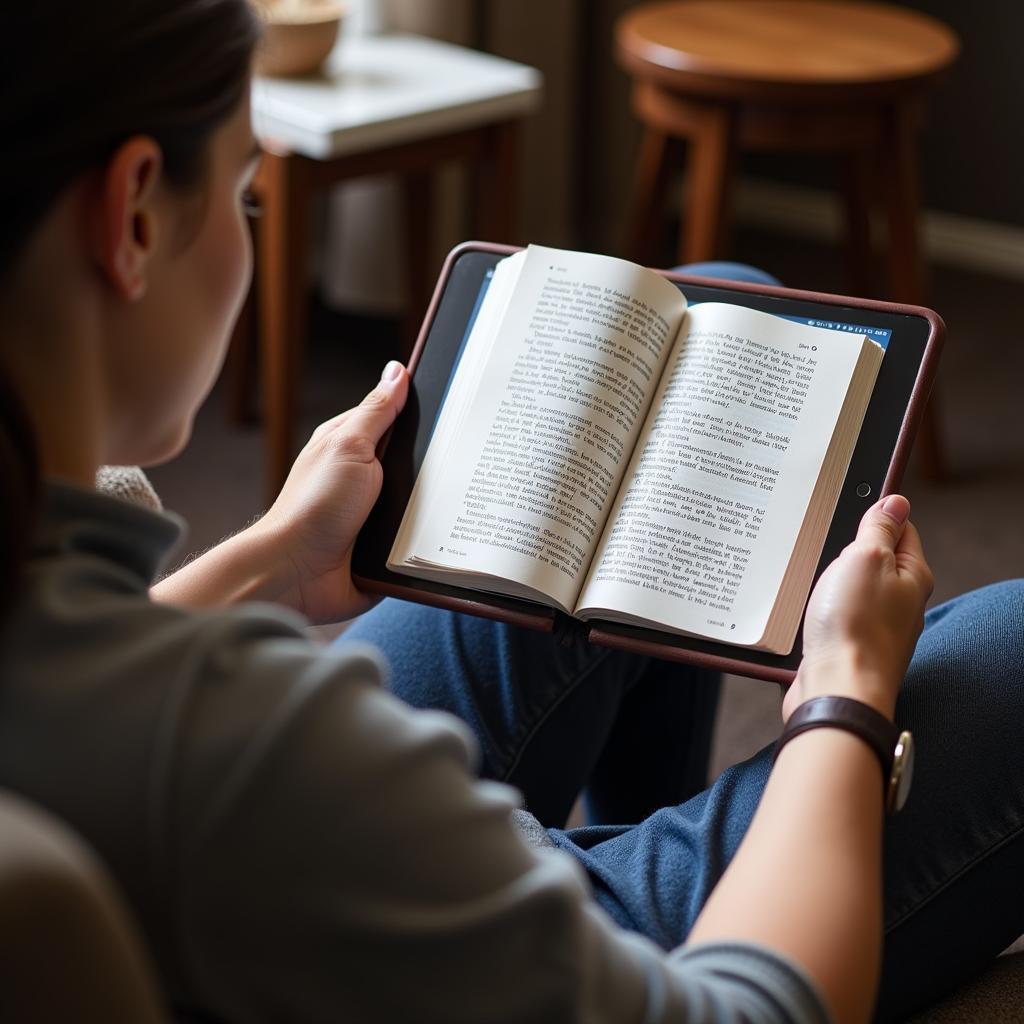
[326, 499]
[866, 613]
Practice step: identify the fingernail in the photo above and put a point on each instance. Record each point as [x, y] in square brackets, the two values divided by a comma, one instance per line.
[392, 371]
[897, 507]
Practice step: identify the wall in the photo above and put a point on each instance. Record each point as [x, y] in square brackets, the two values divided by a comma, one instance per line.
[973, 147]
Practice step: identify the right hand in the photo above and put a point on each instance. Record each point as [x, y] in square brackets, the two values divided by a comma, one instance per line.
[326, 500]
[866, 613]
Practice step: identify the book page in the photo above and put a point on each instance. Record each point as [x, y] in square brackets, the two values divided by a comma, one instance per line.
[720, 482]
[522, 471]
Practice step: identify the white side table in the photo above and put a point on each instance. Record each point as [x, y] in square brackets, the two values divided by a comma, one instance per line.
[399, 105]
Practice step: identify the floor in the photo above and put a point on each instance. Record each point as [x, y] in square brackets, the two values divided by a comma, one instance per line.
[971, 522]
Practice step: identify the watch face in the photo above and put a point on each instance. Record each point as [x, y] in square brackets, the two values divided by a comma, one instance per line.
[902, 772]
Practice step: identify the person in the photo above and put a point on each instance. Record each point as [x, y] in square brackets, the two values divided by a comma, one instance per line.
[298, 843]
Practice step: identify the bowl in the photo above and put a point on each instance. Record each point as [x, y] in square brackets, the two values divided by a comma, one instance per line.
[298, 35]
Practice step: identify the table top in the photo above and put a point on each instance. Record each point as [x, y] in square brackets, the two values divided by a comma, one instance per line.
[378, 91]
[837, 42]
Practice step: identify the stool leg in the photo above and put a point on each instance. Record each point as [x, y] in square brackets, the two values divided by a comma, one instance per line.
[929, 440]
[282, 276]
[906, 271]
[857, 191]
[647, 202]
[712, 164]
[418, 227]
[906, 267]
[498, 184]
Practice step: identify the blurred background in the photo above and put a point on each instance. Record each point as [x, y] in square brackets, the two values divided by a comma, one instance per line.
[574, 170]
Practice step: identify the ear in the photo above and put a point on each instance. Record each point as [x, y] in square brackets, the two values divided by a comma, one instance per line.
[126, 223]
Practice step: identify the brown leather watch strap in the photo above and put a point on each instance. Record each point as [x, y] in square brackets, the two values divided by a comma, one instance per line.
[852, 715]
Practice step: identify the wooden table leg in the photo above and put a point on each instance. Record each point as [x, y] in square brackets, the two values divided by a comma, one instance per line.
[647, 200]
[418, 223]
[498, 197]
[857, 191]
[906, 266]
[238, 368]
[712, 162]
[282, 280]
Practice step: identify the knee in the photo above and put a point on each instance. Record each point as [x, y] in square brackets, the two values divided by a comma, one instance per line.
[396, 627]
[973, 645]
[999, 606]
[729, 271]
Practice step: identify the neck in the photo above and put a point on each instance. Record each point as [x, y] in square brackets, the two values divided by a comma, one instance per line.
[49, 353]
[63, 416]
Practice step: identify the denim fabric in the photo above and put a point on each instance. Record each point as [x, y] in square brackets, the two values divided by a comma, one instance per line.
[583, 714]
[955, 854]
[729, 271]
[554, 714]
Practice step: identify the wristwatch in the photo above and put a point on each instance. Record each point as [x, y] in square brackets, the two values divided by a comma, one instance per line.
[894, 746]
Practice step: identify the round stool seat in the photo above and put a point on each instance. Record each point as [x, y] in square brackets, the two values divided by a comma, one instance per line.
[792, 76]
[772, 49]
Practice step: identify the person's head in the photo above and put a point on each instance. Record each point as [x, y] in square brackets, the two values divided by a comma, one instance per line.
[124, 255]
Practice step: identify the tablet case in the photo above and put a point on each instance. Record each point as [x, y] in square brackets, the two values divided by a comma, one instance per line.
[371, 574]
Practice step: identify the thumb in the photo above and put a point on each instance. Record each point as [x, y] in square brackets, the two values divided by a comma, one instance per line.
[883, 524]
[377, 411]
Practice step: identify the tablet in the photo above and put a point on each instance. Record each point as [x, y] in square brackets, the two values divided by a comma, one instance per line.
[911, 337]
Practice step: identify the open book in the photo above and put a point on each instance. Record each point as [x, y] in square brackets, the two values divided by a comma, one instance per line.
[607, 451]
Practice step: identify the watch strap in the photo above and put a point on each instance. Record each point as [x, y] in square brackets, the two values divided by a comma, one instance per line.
[852, 715]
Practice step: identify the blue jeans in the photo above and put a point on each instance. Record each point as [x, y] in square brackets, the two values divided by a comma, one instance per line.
[554, 716]
[729, 271]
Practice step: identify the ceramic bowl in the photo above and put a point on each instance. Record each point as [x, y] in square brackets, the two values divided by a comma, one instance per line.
[298, 35]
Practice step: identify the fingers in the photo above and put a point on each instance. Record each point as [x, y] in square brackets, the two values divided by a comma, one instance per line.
[887, 526]
[885, 522]
[910, 559]
[371, 418]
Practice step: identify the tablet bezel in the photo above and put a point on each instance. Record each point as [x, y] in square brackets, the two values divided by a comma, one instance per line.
[879, 459]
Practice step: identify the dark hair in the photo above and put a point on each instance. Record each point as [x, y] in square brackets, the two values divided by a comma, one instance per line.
[19, 486]
[80, 78]
[76, 80]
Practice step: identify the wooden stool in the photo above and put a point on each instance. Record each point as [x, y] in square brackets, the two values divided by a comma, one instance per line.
[786, 75]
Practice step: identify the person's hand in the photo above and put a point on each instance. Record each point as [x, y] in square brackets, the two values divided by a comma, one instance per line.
[866, 613]
[325, 501]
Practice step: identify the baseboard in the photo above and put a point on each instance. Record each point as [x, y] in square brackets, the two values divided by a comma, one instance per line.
[948, 238]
